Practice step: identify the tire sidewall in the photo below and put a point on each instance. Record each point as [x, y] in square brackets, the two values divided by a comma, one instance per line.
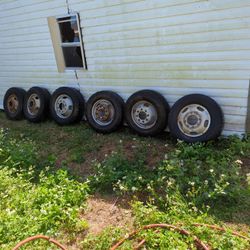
[212, 107]
[161, 106]
[117, 103]
[44, 102]
[20, 94]
[71, 92]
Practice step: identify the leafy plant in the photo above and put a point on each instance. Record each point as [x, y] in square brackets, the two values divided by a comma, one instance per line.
[105, 240]
[33, 205]
[200, 173]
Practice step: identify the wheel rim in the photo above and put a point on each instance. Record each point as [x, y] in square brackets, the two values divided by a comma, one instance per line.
[103, 112]
[12, 103]
[194, 120]
[144, 114]
[64, 106]
[33, 104]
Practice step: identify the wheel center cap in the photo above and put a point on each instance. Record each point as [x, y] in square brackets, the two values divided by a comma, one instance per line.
[142, 115]
[102, 113]
[192, 120]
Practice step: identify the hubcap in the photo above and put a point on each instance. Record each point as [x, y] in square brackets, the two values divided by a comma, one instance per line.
[12, 103]
[103, 112]
[33, 104]
[194, 120]
[64, 106]
[144, 114]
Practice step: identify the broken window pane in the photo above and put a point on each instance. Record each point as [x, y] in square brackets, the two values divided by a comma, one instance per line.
[73, 56]
[69, 31]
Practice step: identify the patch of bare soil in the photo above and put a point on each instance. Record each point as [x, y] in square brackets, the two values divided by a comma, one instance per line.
[102, 211]
[106, 212]
[246, 165]
[86, 168]
[240, 228]
[155, 153]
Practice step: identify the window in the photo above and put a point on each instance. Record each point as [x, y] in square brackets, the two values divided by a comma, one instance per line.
[67, 41]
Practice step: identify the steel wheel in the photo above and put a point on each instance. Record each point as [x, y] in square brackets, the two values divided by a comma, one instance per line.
[103, 112]
[144, 114]
[36, 104]
[64, 106]
[12, 103]
[147, 112]
[33, 104]
[194, 120]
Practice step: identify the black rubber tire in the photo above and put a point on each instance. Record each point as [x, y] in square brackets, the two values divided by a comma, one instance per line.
[118, 104]
[43, 112]
[20, 94]
[216, 114]
[78, 105]
[159, 103]
[82, 106]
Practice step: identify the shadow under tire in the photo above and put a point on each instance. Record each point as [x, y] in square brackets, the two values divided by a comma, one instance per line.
[36, 104]
[13, 103]
[196, 118]
[146, 112]
[66, 106]
[104, 111]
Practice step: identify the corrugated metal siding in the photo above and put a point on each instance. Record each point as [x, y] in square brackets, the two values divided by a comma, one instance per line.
[176, 47]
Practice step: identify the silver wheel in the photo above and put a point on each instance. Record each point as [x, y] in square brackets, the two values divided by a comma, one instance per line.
[103, 112]
[194, 120]
[64, 106]
[144, 114]
[33, 104]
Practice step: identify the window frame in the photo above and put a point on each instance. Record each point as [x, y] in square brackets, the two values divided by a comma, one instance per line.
[58, 44]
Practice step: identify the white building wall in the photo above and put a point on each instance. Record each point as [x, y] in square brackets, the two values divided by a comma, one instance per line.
[176, 47]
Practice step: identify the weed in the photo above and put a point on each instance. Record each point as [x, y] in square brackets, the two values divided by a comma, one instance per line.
[35, 205]
[202, 175]
[194, 183]
[105, 240]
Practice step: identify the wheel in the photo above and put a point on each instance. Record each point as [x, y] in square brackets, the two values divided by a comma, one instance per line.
[13, 103]
[104, 111]
[81, 105]
[196, 118]
[147, 112]
[66, 106]
[36, 104]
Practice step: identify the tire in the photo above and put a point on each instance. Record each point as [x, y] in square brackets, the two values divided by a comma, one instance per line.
[196, 118]
[36, 104]
[153, 119]
[13, 103]
[81, 105]
[66, 106]
[108, 102]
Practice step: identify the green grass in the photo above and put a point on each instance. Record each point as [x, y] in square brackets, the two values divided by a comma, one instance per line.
[48, 171]
[75, 145]
[34, 198]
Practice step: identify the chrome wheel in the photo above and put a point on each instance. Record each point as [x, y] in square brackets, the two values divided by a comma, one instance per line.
[33, 104]
[194, 120]
[144, 114]
[12, 103]
[63, 106]
[103, 112]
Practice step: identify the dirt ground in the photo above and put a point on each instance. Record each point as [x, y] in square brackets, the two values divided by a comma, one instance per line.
[107, 211]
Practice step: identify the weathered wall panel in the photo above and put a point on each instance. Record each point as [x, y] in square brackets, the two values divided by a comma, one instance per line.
[176, 47]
